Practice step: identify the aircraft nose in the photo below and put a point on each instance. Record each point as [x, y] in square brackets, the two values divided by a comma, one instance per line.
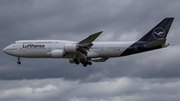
[5, 50]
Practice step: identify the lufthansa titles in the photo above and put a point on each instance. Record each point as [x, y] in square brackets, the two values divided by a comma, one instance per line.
[33, 46]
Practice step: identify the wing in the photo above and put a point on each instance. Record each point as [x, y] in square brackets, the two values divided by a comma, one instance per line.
[80, 56]
[86, 44]
[89, 39]
[83, 47]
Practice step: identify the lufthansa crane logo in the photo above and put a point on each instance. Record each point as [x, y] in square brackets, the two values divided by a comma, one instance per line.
[158, 33]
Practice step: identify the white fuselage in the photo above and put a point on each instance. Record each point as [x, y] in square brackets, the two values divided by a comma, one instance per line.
[44, 48]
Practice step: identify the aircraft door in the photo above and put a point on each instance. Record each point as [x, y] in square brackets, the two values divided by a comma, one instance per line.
[21, 48]
[49, 47]
[135, 48]
[102, 48]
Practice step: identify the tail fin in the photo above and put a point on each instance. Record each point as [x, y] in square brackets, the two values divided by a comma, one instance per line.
[160, 31]
[154, 39]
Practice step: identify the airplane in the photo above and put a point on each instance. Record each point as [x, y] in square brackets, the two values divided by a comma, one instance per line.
[88, 51]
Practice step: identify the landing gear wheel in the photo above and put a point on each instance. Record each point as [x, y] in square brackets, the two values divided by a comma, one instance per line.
[18, 62]
[90, 63]
[76, 61]
[85, 65]
[86, 62]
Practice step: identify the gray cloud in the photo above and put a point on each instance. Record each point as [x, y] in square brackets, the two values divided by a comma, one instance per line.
[125, 89]
[121, 20]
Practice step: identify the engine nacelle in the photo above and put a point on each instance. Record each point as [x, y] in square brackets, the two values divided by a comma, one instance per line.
[57, 53]
[71, 61]
[70, 48]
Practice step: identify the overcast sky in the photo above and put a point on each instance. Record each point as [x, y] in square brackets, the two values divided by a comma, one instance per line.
[150, 76]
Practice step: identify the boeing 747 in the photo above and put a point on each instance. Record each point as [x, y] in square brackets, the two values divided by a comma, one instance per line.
[88, 51]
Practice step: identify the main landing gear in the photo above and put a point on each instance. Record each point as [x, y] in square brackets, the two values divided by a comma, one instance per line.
[18, 62]
[86, 62]
[76, 61]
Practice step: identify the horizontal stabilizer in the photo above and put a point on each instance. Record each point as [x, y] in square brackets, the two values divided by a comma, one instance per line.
[156, 43]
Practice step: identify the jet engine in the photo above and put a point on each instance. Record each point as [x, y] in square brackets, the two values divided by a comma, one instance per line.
[57, 53]
[71, 48]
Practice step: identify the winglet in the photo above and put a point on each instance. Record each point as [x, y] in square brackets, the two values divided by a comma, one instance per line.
[90, 39]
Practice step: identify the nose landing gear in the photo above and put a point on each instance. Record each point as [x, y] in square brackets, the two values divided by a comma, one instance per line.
[18, 62]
